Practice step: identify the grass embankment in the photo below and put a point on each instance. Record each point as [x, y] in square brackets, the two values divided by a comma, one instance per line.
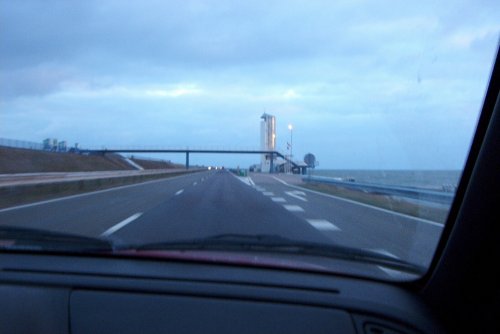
[434, 213]
[18, 160]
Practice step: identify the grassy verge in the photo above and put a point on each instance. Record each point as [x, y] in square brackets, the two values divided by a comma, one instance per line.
[437, 214]
[25, 194]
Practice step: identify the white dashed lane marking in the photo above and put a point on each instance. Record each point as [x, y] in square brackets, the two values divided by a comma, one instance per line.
[278, 199]
[323, 225]
[121, 224]
[179, 192]
[293, 208]
[267, 193]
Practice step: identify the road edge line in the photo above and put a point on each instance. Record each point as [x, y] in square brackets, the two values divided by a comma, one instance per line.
[430, 222]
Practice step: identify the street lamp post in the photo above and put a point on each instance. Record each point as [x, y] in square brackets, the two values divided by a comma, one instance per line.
[290, 127]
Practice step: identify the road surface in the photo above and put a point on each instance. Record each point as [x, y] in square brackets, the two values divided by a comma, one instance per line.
[217, 202]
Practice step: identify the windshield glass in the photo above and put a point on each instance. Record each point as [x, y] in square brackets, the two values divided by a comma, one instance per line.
[332, 134]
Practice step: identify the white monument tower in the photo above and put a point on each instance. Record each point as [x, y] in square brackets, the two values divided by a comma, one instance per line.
[267, 141]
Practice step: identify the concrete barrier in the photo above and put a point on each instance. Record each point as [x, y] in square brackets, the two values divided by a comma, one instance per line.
[28, 193]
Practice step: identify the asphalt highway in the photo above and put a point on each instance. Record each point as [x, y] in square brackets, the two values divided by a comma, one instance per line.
[217, 202]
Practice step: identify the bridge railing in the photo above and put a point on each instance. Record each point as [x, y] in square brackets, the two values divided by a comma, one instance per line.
[169, 148]
[188, 151]
[287, 159]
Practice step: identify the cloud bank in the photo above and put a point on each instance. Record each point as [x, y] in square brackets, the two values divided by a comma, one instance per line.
[384, 84]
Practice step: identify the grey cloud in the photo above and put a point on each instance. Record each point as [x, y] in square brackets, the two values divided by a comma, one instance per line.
[163, 33]
[350, 68]
[37, 81]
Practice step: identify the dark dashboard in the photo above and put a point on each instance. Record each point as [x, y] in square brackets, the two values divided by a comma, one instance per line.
[62, 294]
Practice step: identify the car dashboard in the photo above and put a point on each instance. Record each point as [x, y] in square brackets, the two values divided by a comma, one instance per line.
[84, 294]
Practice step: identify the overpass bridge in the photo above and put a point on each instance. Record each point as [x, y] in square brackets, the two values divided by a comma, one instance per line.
[188, 151]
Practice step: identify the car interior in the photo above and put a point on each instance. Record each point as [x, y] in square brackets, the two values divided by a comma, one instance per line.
[53, 292]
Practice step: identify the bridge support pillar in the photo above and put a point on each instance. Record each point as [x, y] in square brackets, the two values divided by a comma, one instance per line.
[271, 167]
[187, 160]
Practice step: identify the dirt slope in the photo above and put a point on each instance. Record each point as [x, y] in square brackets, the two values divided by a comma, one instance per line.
[16, 160]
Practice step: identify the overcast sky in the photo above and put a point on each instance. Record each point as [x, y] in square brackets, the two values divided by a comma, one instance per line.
[366, 84]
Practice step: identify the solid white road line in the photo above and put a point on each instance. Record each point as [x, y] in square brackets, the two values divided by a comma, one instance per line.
[245, 179]
[323, 225]
[297, 194]
[251, 181]
[293, 208]
[121, 224]
[267, 193]
[281, 181]
[278, 199]
[179, 192]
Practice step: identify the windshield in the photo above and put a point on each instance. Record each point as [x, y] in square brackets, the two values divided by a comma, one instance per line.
[332, 134]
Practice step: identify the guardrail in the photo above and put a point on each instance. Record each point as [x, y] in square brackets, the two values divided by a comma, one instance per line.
[408, 192]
